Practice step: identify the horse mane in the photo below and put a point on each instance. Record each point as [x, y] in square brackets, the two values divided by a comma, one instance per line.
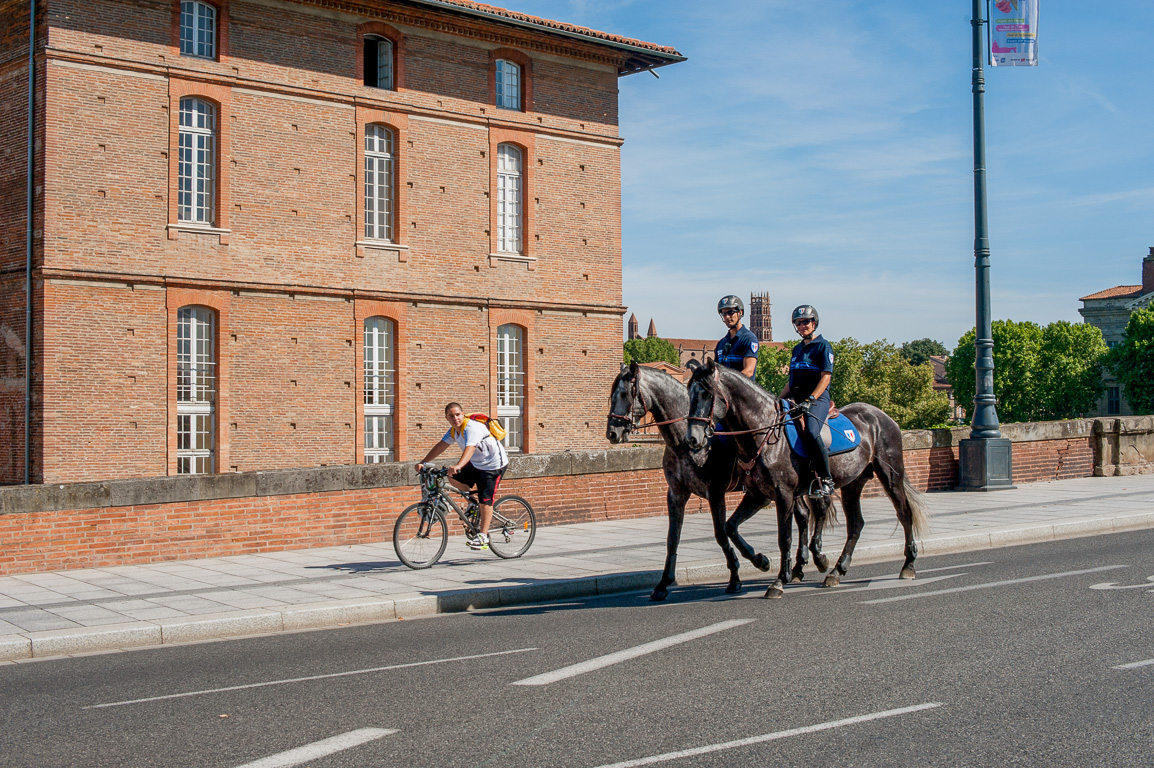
[736, 380]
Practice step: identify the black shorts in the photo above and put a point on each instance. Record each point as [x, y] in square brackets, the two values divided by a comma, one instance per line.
[485, 480]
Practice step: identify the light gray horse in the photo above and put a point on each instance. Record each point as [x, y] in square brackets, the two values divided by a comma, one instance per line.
[718, 394]
[707, 471]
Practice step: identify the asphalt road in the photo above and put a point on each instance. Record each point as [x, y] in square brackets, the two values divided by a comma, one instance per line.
[1009, 657]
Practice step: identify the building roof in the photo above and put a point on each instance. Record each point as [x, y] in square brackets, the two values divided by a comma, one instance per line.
[641, 55]
[1117, 292]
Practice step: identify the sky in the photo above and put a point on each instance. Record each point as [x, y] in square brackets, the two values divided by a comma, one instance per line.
[823, 151]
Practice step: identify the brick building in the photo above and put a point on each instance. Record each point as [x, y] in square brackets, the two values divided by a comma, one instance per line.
[276, 234]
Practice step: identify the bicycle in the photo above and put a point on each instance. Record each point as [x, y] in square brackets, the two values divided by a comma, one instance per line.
[422, 531]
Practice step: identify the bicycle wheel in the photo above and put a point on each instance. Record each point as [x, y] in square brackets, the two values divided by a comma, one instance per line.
[513, 528]
[420, 536]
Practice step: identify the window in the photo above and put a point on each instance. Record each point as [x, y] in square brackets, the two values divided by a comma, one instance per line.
[379, 62]
[196, 174]
[511, 384]
[195, 390]
[1113, 401]
[197, 29]
[378, 182]
[380, 389]
[509, 198]
[508, 76]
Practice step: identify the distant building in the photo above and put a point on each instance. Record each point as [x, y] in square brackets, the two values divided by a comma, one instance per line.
[942, 384]
[759, 320]
[1109, 311]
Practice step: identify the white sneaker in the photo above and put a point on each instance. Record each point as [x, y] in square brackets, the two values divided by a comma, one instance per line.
[478, 542]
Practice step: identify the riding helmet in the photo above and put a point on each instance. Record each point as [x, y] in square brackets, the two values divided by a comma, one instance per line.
[730, 302]
[805, 312]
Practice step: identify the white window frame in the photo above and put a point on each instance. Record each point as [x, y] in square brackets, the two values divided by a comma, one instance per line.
[380, 389]
[196, 167]
[510, 193]
[195, 390]
[384, 63]
[197, 29]
[511, 385]
[380, 186]
[508, 81]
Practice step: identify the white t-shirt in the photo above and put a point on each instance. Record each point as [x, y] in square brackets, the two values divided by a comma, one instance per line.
[488, 452]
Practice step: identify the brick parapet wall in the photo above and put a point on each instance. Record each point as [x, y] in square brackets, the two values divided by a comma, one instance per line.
[84, 525]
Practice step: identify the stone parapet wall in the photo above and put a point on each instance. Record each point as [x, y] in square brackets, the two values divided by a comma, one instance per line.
[84, 525]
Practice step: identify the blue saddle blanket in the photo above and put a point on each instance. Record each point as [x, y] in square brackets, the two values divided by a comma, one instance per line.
[843, 433]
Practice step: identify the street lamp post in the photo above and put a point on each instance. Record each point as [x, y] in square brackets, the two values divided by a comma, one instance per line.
[985, 459]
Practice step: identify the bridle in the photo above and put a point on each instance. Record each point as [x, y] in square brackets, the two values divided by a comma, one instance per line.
[774, 429]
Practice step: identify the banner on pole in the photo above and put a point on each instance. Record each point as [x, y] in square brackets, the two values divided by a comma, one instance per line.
[1014, 33]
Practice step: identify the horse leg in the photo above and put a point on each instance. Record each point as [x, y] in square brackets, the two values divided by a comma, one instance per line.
[854, 522]
[801, 517]
[717, 510]
[820, 515]
[751, 504]
[895, 485]
[785, 508]
[675, 503]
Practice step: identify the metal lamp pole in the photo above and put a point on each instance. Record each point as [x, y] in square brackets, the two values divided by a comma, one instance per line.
[985, 459]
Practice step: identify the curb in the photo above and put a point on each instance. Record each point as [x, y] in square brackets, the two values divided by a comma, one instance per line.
[337, 613]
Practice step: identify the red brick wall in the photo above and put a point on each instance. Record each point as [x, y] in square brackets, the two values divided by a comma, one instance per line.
[292, 111]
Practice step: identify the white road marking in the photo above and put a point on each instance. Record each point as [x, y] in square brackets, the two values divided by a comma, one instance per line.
[305, 679]
[666, 757]
[991, 585]
[319, 748]
[629, 653]
[1136, 664]
[1112, 585]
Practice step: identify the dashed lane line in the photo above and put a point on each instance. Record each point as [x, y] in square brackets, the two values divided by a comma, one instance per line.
[305, 679]
[321, 748]
[1136, 664]
[683, 753]
[629, 653]
[990, 585]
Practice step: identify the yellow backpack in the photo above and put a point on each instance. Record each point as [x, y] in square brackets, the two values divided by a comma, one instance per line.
[495, 427]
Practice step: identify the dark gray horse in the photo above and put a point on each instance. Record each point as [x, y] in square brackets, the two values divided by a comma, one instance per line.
[706, 471]
[717, 393]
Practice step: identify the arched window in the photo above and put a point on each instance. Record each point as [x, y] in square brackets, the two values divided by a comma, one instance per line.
[379, 182]
[196, 174]
[509, 192]
[197, 29]
[379, 62]
[380, 389]
[511, 384]
[508, 76]
[195, 390]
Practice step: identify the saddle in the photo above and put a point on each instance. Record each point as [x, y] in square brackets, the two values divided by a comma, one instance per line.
[839, 434]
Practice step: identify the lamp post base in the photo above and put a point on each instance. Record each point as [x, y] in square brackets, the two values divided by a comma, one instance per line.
[985, 464]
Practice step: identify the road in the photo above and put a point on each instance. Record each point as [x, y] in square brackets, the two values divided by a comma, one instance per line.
[1029, 656]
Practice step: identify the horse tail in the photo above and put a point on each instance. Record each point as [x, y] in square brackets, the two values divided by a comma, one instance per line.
[916, 501]
[819, 512]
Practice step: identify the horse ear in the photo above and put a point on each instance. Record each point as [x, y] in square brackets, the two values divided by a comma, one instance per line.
[633, 366]
[693, 365]
[624, 368]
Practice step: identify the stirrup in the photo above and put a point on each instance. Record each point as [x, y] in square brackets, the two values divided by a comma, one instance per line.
[817, 489]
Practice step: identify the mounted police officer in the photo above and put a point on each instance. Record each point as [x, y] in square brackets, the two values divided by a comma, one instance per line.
[737, 349]
[810, 372]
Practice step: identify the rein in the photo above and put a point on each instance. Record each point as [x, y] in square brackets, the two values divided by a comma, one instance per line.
[632, 419]
[774, 428]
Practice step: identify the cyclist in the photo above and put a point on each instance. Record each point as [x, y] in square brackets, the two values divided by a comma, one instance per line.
[482, 464]
[737, 349]
[810, 372]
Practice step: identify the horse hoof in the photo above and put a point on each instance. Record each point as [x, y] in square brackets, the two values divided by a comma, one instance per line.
[658, 595]
[761, 562]
[733, 588]
[822, 562]
[908, 573]
[833, 580]
[797, 575]
[774, 593]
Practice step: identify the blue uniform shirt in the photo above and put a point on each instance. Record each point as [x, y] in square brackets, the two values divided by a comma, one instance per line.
[732, 352]
[806, 365]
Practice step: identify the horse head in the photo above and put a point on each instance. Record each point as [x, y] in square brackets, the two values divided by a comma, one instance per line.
[705, 407]
[624, 401]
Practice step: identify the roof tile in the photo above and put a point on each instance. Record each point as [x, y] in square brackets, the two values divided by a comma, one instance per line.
[1117, 292]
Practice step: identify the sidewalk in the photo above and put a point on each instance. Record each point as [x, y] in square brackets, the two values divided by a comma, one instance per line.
[101, 609]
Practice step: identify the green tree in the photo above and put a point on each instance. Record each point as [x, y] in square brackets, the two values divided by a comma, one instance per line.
[1132, 361]
[878, 373]
[772, 367]
[651, 349]
[919, 351]
[1039, 373]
